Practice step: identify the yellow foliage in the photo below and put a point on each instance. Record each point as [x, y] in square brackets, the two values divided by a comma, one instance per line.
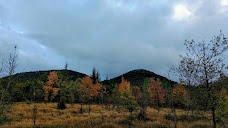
[124, 86]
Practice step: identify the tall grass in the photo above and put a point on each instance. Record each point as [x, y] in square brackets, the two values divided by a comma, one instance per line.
[49, 116]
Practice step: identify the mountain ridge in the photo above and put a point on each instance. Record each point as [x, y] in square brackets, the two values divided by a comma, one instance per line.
[135, 77]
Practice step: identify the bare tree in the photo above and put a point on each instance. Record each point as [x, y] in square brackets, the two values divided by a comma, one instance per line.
[8, 65]
[203, 64]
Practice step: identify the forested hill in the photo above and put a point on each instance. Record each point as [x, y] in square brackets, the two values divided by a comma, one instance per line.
[136, 77]
[43, 75]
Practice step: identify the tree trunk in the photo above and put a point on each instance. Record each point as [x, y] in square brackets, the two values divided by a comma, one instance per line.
[142, 114]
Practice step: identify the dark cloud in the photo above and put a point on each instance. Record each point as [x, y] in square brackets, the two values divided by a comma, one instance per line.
[113, 35]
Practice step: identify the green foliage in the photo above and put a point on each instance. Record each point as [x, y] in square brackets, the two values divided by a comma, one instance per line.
[145, 92]
[3, 117]
[116, 97]
[222, 104]
[5, 104]
[128, 101]
[131, 104]
[145, 99]
[169, 116]
[197, 94]
[72, 90]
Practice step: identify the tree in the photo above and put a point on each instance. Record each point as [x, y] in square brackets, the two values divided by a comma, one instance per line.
[204, 63]
[66, 66]
[8, 66]
[124, 86]
[136, 93]
[145, 99]
[126, 97]
[72, 90]
[116, 97]
[95, 76]
[180, 95]
[157, 93]
[51, 90]
[85, 89]
[62, 95]
[89, 90]
[220, 89]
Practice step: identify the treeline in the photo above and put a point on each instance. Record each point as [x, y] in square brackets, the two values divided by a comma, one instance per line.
[88, 90]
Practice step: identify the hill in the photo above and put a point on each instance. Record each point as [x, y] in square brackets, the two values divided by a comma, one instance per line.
[42, 75]
[136, 77]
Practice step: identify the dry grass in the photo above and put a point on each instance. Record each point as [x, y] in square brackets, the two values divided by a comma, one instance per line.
[49, 116]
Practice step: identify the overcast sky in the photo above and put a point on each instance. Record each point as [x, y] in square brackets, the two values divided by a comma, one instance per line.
[115, 36]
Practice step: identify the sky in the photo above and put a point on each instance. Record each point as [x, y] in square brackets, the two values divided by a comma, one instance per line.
[115, 36]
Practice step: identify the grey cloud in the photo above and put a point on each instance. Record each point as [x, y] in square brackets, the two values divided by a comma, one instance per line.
[114, 35]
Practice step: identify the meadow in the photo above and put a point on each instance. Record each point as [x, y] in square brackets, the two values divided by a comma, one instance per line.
[100, 117]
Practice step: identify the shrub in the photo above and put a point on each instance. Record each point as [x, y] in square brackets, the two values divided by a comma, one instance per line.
[169, 116]
[61, 105]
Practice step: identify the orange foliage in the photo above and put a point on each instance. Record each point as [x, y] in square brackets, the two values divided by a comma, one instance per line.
[55, 91]
[89, 88]
[86, 81]
[52, 80]
[46, 92]
[156, 91]
[95, 89]
[124, 86]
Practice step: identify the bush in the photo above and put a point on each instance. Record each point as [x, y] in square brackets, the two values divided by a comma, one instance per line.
[169, 116]
[28, 102]
[3, 118]
[61, 105]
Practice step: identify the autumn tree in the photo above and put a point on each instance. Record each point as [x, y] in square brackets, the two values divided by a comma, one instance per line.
[180, 95]
[51, 90]
[126, 97]
[88, 90]
[157, 93]
[124, 86]
[204, 62]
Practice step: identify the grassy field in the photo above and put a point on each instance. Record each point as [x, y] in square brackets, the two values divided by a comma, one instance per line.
[100, 117]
